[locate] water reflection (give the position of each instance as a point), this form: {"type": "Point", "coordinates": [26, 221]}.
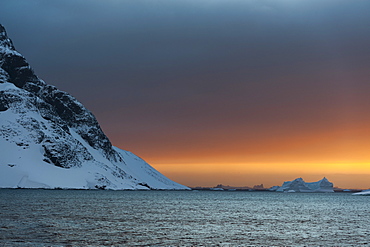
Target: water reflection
{"type": "Point", "coordinates": [181, 218]}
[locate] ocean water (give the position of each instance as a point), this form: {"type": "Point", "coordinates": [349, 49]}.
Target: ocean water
{"type": "Point", "coordinates": [182, 218]}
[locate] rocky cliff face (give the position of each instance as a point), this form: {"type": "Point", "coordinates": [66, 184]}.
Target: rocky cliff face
{"type": "Point", "coordinates": [38, 118]}
{"type": "Point", "coordinates": [57, 107]}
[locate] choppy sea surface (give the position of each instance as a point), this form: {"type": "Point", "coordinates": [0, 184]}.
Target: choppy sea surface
{"type": "Point", "coordinates": [182, 218]}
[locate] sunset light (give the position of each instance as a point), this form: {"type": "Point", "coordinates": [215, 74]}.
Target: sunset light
{"type": "Point", "coordinates": [184, 123]}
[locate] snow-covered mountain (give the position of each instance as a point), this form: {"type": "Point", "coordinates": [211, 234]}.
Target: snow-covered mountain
{"type": "Point", "coordinates": [299, 185]}
{"type": "Point", "coordinates": [50, 140]}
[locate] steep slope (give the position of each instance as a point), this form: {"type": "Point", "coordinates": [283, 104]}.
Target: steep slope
{"type": "Point", "coordinates": [48, 139]}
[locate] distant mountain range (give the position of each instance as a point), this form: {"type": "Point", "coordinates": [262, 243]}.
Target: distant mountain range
{"type": "Point", "coordinates": [50, 140]}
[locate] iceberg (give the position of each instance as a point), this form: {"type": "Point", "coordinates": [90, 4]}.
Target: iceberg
{"type": "Point", "coordinates": [299, 185]}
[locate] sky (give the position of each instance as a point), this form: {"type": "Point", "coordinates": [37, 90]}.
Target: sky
{"type": "Point", "coordinates": [214, 92]}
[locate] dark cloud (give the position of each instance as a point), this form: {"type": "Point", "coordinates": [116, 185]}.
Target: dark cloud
{"type": "Point", "coordinates": [152, 68]}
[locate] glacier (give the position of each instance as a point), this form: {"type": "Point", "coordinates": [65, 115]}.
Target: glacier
{"type": "Point", "coordinates": [299, 185]}
{"type": "Point", "coordinates": [48, 139]}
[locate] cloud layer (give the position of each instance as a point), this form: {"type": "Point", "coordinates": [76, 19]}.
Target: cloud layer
{"type": "Point", "coordinates": [190, 79]}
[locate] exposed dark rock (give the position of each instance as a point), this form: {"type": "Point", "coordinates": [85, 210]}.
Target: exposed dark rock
{"type": "Point", "coordinates": [4, 40]}
{"type": "Point", "coordinates": [18, 70]}
{"type": "Point", "coordinates": [60, 109]}
{"type": "Point", "coordinates": [145, 185]}
{"type": "Point", "coordinates": [3, 102]}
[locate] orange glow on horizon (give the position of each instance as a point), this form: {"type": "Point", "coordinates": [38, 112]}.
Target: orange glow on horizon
{"type": "Point", "coordinates": [343, 175]}
{"type": "Point", "coordinates": [269, 156]}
